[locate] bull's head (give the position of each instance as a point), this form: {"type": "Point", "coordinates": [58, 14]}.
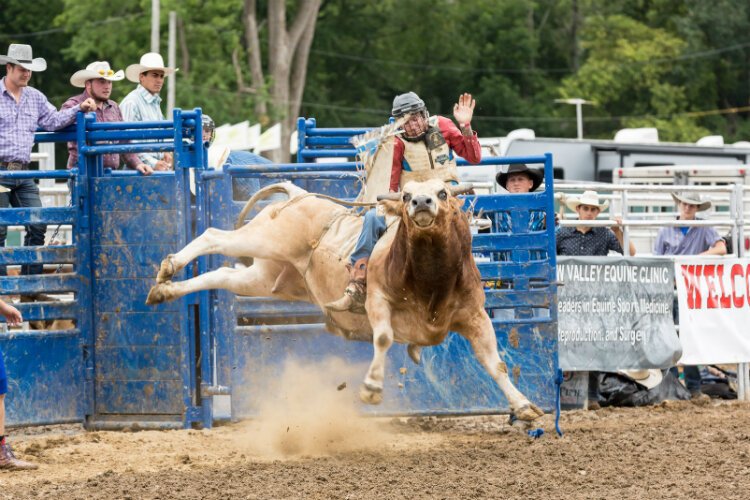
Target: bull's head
{"type": "Point", "coordinates": [422, 202]}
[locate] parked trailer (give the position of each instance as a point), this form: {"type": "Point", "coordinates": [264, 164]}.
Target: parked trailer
{"type": "Point", "coordinates": [130, 365]}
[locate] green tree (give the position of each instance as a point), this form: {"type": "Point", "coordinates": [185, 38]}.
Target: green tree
{"type": "Point", "coordinates": [628, 72]}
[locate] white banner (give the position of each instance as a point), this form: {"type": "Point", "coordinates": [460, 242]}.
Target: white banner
{"type": "Point", "coordinates": [714, 303]}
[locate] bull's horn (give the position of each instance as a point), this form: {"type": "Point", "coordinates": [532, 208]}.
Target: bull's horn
{"type": "Point", "coordinates": [462, 188]}
{"type": "Point", "coordinates": [389, 197]}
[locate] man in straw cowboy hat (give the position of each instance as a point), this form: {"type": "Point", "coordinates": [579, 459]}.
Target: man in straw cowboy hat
{"type": "Point", "coordinates": [695, 240]}
{"type": "Point", "coordinates": [144, 103]}
{"type": "Point", "coordinates": [96, 80]}
{"type": "Point", "coordinates": [586, 240]}
{"type": "Point", "coordinates": [22, 110]}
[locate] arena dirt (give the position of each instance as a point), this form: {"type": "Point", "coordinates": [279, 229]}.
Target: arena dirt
{"type": "Point", "coordinates": [310, 443]}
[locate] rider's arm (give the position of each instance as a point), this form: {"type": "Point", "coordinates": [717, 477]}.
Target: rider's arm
{"type": "Point", "coordinates": [465, 146]}
{"type": "Point", "coordinates": [396, 166]}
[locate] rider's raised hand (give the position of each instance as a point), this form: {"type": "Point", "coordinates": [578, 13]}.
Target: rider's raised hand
{"type": "Point", "coordinates": [463, 110]}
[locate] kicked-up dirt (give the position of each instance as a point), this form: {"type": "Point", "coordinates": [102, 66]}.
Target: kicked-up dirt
{"type": "Point", "coordinates": [296, 449]}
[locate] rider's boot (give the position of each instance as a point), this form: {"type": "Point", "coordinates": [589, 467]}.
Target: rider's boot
{"type": "Point", "coordinates": [355, 293]}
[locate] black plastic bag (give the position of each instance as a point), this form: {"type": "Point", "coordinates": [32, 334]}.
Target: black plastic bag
{"type": "Point", "coordinates": [619, 390]}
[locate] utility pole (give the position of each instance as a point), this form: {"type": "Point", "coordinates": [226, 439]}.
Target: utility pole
{"type": "Point", "coordinates": [155, 26]}
{"type": "Point", "coordinates": [171, 62]}
{"type": "Point", "coordinates": [578, 102]}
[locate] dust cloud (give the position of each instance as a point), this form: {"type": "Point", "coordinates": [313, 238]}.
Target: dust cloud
{"type": "Point", "coordinates": [309, 411]}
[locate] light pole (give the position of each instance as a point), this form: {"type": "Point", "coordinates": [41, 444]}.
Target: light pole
{"type": "Point", "coordinates": [579, 113]}
{"type": "Point", "coordinates": [154, 25]}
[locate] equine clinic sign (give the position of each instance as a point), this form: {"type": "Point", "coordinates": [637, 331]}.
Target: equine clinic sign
{"type": "Point", "coordinates": [615, 314]}
{"type": "Point", "coordinates": [714, 298]}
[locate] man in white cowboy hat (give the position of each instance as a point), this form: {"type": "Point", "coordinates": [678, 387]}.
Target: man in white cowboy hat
{"type": "Point", "coordinates": [587, 240]}
{"type": "Point", "coordinates": [96, 80]}
{"type": "Point", "coordinates": [144, 104]}
{"type": "Point", "coordinates": [22, 110]}
{"type": "Point", "coordinates": [695, 240]}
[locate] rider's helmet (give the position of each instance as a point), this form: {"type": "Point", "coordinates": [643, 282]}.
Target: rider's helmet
{"type": "Point", "coordinates": [408, 103]}
{"type": "Point", "coordinates": [209, 129]}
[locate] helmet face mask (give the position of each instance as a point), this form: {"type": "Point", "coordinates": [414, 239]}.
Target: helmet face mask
{"type": "Point", "coordinates": [209, 129]}
{"type": "Point", "coordinates": [415, 126]}
{"type": "Point", "coordinates": [413, 109]}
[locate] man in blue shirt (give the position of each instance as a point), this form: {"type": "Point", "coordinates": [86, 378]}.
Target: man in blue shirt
{"type": "Point", "coordinates": [696, 240]}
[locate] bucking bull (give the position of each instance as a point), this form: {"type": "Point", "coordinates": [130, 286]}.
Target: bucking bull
{"type": "Point", "coordinates": [422, 281]}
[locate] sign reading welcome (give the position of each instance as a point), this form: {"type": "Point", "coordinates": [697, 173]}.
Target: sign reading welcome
{"type": "Point", "coordinates": [714, 298]}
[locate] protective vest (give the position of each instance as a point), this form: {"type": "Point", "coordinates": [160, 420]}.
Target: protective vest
{"type": "Point", "coordinates": [430, 158]}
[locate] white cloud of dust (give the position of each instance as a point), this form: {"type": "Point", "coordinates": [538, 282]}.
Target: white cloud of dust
{"type": "Point", "coordinates": [307, 412]}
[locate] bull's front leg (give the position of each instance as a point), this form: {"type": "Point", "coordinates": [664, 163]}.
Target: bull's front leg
{"type": "Point", "coordinates": [379, 314]}
{"type": "Point", "coordinates": [479, 332]}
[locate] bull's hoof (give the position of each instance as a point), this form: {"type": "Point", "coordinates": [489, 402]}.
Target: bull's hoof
{"type": "Point", "coordinates": [529, 412]}
{"type": "Point", "coordinates": [415, 353]}
{"type": "Point", "coordinates": [166, 270]}
{"type": "Point", "coordinates": [156, 295]}
{"type": "Point", "coordinates": [370, 394]}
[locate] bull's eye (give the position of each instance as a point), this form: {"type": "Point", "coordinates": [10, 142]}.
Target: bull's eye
{"type": "Point", "coordinates": [443, 195]}
{"type": "Point", "coordinates": [407, 197]}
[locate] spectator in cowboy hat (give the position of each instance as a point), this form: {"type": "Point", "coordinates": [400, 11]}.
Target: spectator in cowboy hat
{"type": "Point", "coordinates": [686, 240]}
{"type": "Point", "coordinates": [96, 80]}
{"type": "Point", "coordinates": [518, 178]}
{"type": "Point", "coordinates": [587, 240]}
{"type": "Point", "coordinates": [144, 104]}
{"type": "Point", "coordinates": [22, 110]}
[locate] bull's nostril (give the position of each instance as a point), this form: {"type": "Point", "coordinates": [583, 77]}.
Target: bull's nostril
{"type": "Point", "coordinates": [428, 201]}
{"type": "Point", "coordinates": [414, 202]}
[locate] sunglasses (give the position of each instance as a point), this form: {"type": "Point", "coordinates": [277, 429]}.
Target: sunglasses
{"type": "Point", "coordinates": [106, 72]}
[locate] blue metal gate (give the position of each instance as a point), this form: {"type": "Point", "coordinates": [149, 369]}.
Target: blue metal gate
{"type": "Point", "coordinates": [127, 364]}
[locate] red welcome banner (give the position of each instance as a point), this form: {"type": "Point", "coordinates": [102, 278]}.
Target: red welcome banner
{"type": "Point", "coordinates": [714, 300]}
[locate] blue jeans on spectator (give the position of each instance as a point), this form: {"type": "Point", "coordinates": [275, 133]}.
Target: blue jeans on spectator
{"type": "Point", "coordinates": [23, 193]}
{"type": "Point", "coordinates": [372, 229]}
{"type": "Point", "coordinates": [692, 373]}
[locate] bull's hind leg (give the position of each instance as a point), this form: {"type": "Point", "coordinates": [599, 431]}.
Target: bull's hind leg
{"type": "Point", "coordinates": [253, 281]}
{"type": "Point", "coordinates": [249, 241]}
{"type": "Point", "coordinates": [479, 332]}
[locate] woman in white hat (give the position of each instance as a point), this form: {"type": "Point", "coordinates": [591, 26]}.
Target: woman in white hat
{"type": "Point", "coordinates": [144, 103]}
{"type": "Point", "coordinates": [587, 240]}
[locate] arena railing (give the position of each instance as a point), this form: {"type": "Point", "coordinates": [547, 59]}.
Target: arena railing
{"type": "Point", "coordinates": [732, 197]}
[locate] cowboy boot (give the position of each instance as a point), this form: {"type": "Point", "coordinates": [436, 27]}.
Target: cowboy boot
{"type": "Point", "coordinates": [356, 291]}
{"type": "Point", "coordinates": [8, 460]}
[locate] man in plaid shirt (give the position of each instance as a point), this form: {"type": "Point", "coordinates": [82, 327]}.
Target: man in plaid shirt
{"type": "Point", "coordinates": [22, 110]}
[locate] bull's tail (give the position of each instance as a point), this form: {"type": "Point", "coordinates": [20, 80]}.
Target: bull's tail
{"type": "Point", "coordinates": [286, 188]}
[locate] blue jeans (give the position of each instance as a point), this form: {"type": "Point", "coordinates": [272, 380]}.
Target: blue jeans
{"type": "Point", "coordinates": [23, 193]}
{"type": "Point", "coordinates": [372, 229]}
{"type": "Point", "coordinates": [692, 373]}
